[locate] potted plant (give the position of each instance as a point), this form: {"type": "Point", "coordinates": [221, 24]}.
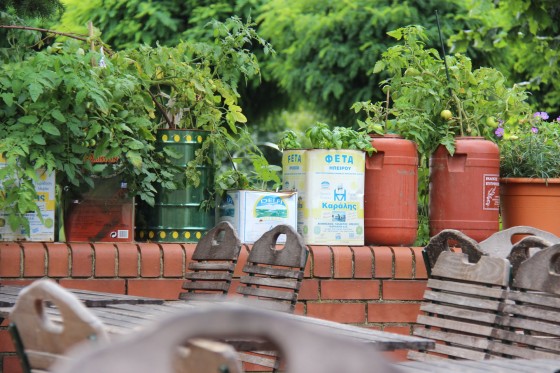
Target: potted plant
{"type": "Point", "coordinates": [65, 106]}
{"type": "Point", "coordinates": [59, 111]}
{"type": "Point", "coordinates": [530, 171]}
{"type": "Point", "coordinates": [391, 177]}
{"type": "Point", "coordinates": [453, 109]}
{"type": "Point", "coordinates": [193, 88]}
{"type": "Point", "coordinates": [329, 179]}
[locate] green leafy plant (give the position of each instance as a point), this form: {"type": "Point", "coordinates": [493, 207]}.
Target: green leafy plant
{"type": "Point", "coordinates": [530, 147]}
{"type": "Point", "coordinates": [194, 86]}
{"type": "Point", "coordinates": [323, 137]}
{"type": "Point", "coordinates": [443, 99]}
{"type": "Point", "coordinates": [59, 111]}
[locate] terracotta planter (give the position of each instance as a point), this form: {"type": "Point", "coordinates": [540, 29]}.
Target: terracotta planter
{"type": "Point", "coordinates": [464, 188]}
{"type": "Point", "coordinates": [532, 202]}
{"type": "Point", "coordinates": [391, 192]}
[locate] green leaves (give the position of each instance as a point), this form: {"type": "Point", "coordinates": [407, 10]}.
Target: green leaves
{"type": "Point", "coordinates": [50, 128]}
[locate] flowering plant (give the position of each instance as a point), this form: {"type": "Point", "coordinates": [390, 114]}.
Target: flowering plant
{"type": "Point", "coordinates": [530, 147]}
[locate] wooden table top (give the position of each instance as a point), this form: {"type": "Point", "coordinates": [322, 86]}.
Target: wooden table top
{"type": "Point", "coordinates": [9, 293]}
{"type": "Point", "coordinates": [124, 314]}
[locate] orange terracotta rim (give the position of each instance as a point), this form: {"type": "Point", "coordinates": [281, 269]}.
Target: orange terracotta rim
{"type": "Point", "coordinates": [386, 136]}
{"type": "Point", "coordinates": [528, 180]}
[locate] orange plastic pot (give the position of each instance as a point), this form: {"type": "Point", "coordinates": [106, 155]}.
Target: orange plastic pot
{"type": "Point", "coordinates": [464, 188]}
{"type": "Point", "coordinates": [391, 192]}
{"type": "Point", "coordinates": [532, 202]}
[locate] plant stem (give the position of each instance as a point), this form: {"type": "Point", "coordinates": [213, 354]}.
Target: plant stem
{"type": "Point", "coordinates": [18, 27]}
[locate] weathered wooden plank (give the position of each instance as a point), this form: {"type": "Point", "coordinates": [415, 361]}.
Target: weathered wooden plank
{"type": "Point", "coordinates": [479, 342]}
{"type": "Point", "coordinates": [467, 289]}
{"type": "Point", "coordinates": [220, 287]}
{"type": "Point", "coordinates": [530, 274]}
{"type": "Point", "coordinates": [219, 276]}
{"type": "Point", "coordinates": [488, 270]}
{"type": "Point", "coordinates": [465, 327]}
{"type": "Point", "coordinates": [462, 300]}
{"type": "Point", "coordinates": [527, 341]}
{"type": "Point", "coordinates": [269, 271]}
{"type": "Point", "coordinates": [268, 293]}
{"type": "Point", "coordinates": [291, 284]}
{"type": "Point", "coordinates": [541, 299]}
{"type": "Point", "coordinates": [538, 313]}
{"type": "Point", "coordinates": [211, 266]}
{"type": "Point", "coordinates": [476, 316]}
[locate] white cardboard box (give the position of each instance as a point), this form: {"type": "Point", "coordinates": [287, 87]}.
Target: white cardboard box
{"type": "Point", "coordinates": [252, 213]}
{"type": "Point", "coordinates": [330, 186]}
{"type": "Point", "coordinates": [39, 231]}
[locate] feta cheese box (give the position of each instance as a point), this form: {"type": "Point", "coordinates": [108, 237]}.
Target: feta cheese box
{"type": "Point", "coordinates": [41, 231]}
{"type": "Point", "coordinates": [252, 213]}
{"type": "Point", "coordinates": [330, 186]}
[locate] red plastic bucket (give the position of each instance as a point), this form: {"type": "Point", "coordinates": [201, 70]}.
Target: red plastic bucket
{"type": "Point", "coordinates": [465, 188]}
{"type": "Point", "coordinates": [391, 192]}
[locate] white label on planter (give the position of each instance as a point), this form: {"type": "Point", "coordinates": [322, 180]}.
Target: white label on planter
{"type": "Point", "coordinates": [491, 196]}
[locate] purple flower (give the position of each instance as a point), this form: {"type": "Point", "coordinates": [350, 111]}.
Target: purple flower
{"type": "Point", "coordinates": [558, 119]}
{"type": "Point", "coordinates": [499, 132]}
{"type": "Point", "coordinates": [535, 130]}
{"type": "Point", "coordinates": [541, 114]}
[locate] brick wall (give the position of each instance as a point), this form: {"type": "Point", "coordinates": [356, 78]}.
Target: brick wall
{"type": "Point", "coordinates": [374, 287]}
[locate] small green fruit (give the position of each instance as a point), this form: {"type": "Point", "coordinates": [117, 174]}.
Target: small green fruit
{"type": "Point", "coordinates": [411, 71]}
{"type": "Point", "coordinates": [446, 114]}
{"type": "Point", "coordinates": [491, 122]}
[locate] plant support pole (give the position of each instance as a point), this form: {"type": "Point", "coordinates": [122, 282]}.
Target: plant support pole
{"type": "Point", "coordinates": [443, 49]}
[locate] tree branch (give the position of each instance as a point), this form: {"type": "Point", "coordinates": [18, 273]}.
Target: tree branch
{"type": "Point", "coordinates": [17, 27]}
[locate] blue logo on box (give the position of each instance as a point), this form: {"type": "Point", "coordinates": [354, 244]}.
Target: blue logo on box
{"type": "Point", "coordinates": [271, 207]}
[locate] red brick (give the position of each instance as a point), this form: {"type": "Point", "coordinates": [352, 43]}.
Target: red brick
{"type": "Point", "coordinates": [10, 259]}
{"type": "Point", "coordinates": [395, 356]}
{"type": "Point", "coordinates": [300, 309]}
{"type": "Point", "coordinates": [11, 364]}
{"type": "Point", "coordinates": [128, 265]}
{"type": "Point", "coordinates": [363, 262]}
{"type": "Point", "coordinates": [17, 282]}
{"type": "Point", "coordinates": [403, 262]}
{"type": "Point", "coordinates": [350, 289]}
{"type": "Point", "coordinates": [339, 312]}
{"type": "Point", "coordinates": [58, 260]}
{"type": "Point", "coordinates": [322, 257]}
{"type": "Point", "coordinates": [307, 271]}
{"type": "Point", "coordinates": [403, 290]}
{"type": "Point", "coordinates": [242, 260]}
{"type": "Point", "coordinates": [393, 312]}
{"type": "Point", "coordinates": [343, 260]}
{"type": "Point", "coordinates": [309, 290]}
{"type": "Point", "coordinates": [105, 260]}
{"type": "Point", "coordinates": [34, 259]}
{"type": "Point", "coordinates": [116, 286]}
{"type": "Point", "coordinates": [82, 259]}
{"type": "Point", "coordinates": [383, 262]}
{"type": "Point", "coordinates": [6, 344]}
{"type": "Point", "coordinates": [188, 248]}
{"type": "Point", "coordinates": [150, 260]}
{"type": "Point", "coordinates": [404, 330]}
{"type": "Point", "coordinates": [156, 288]}
{"type": "Point", "coordinates": [173, 260]}
{"type": "Point", "coordinates": [419, 265]}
